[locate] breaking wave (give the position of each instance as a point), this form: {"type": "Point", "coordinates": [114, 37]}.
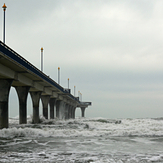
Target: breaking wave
{"type": "Point", "coordinates": [87, 127]}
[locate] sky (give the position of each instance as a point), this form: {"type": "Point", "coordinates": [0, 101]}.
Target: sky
{"type": "Point", "coordinates": [112, 51]}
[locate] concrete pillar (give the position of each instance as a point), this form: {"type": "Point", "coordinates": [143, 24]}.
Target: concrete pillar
{"type": "Point", "coordinates": [73, 112]}
{"type": "Point", "coordinates": [22, 92]}
{"type": "Point", "coordinates": [66, 111]}
{"type": "Point", "coordinates": [52, 103]}
{"type": "Point", "coordinates": [5, 85]}
{"type": "Point", "coordinates": [69, 112]}
{"type": "Point", "coordinates": [61, 110]}
{"type": "Point", "coordinates": [83, 111]}
{"type": "Point", "coordinates": [57, 108]}
{"type": "Point", "coordinates": [45, 101]}
{"type": "Point", "coordinates": [35, 100]}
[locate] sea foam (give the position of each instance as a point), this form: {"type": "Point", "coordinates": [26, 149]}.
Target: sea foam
{"type": "Point", "coordinates": [87, 127]}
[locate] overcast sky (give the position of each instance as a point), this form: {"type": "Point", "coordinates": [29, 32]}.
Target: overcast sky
{"type": "Point", "coordinates": [112, 51]}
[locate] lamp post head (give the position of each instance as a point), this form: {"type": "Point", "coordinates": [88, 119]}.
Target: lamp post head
{"type": "Point", "coordinates": [42, 49]}
{"type": "Point", "coordinates": [58, 68]}
{"type": "Point", "coordinates": [4, 7]}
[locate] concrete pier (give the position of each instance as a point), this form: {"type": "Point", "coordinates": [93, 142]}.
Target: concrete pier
{"type": "Point", "coordinates": [83, 111]}
{"type": "Point", "coordinates": [5, 85]}
{"type": "Point", "coordinates": [62, 110]}
{"type": "Point", "coordinates": [52, 103]}
{"type": "Point", "coordinates": [45, 101]}
{"type": "Point", "coordinates": [25, 77]}
{"type": "Point", "coordinates": [35, 100]}
{"type": "Point", "coordinates": [22, 92]}
{"type": "Point", "coordinates": [57, 108]}
{"type": "Point", "coordinates": [69, 112]}
{"type": "Point", "coordinates": [66, 110]}
{"type": "Point", "coordinates": [73, 112]}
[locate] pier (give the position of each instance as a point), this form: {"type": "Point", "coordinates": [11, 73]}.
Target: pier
{"type": "Point", "coordinates": [17, 72]}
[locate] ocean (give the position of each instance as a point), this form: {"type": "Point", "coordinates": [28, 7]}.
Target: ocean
{"type": "Point", "coordinates": [83, 140]}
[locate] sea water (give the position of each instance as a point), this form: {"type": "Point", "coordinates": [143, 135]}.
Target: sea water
{"type": "Point", "coordinates": [83, 140]}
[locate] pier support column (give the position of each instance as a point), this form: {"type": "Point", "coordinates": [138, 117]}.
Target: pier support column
{"type": "Point", "coordinates": [61, 110]}
{"type": "Point", "coordinates": [66, 111]}
{"type": "Point", "coordinates": [83, 111]}
{"type": "Point", "coordinates": [22, 92]}
{"type": "Point", "coordinates": [45, 101]}
{"type": "Point", "coordinates": [57, 108]}
{"type": "Point", "coordinates": [69, 112]}
{"type": "Point", "coordinates": [52, 103]}
{"type": "Point", "coordinates": [5, 85]}
{"type": "Point", "coordinates": [35, 100]}
{"type": "Point", "coordinates": [73, 112]}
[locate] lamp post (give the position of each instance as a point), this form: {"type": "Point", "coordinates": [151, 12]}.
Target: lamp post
{"type": "Point", "coordinates": [68, 83]}
{"type": "Point", "coordinates": [74, 90]}
{"type": "Point", "coordinates": [79, 94]}
{"type": "Point", "coordinates": [58, 75]}
{"type": "Point", "coordinates": [42, 59]}
{"type": "Point", "coordinates": [4, 9]}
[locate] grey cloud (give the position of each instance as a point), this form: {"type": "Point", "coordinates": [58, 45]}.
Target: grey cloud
{"type": "Point", "coordinates": [111, 50]}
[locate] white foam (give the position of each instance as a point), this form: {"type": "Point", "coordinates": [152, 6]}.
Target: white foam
{"type": "Point", "coordinates": [85, 127]}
